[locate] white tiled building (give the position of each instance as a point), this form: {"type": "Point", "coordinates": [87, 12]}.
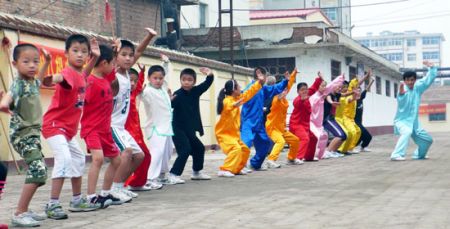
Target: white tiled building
{"type": "Point", "coordinates": [408, 49]}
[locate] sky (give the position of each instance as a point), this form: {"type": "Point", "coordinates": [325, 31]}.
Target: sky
{"type": "Point", "coordinates": [400, 16]}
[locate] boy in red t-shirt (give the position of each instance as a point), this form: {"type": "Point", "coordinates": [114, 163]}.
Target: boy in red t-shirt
{"type": "Point", "coordinates": [60, 124]}
{"type": "Point", "coordinates": [95, 128]}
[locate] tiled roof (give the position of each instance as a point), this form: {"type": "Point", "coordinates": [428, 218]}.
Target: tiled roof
{"type": "Point", "coordinates": [269, 14]}
{"type": "Point", "coordinates": [45, 29]}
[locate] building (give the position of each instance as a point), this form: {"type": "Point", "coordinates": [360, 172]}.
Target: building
{"type": "Point", "coordinates": [408, 49]}
{"type": "Point", "coordinates": [270, 17]}
{"type": "Point", "coordinates": [206, 14]}
{"type": "Point", "coordinates": [311, 47]}
{"type": "Point", "coordinates": [433, 110]}
{"type": "Point", "coordinates": [50, 36]}
{"type": "Point", "coordinates": [337, 11]}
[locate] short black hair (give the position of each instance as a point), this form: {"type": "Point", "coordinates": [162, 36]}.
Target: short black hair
{"type": "Point", "coordinates": [409, 74]}
{"type": "Point", "coordinates": [133, 71]}
{"type": "Point", "coordinates": [262, 69]}
{"type": "Point", "coordinates": [300, 85]}
{"type": "Point", "coordinates": [346, 83]}
{"type": "Point", "coordinates": [189, 71]}
{"type": "Point", "coordinates": [77, 38]}
{"type": "Point", "coordinates": [126, 43]}
{"type": "Point", "coordinates": [156, 68]}
{"type": "Point", "coordinates": [106, 53]}
{"type": "Point", "coordinates": [22, 47]}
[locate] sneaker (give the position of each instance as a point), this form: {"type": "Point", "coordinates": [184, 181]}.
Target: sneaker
{"type": "Point", "coordinates": [365, 149]}
{"type": "Point", "coordinates": [24, 220]}
{"type": "Point", "coordinates": [166, 181]}
{"type": "Point", "coordinates": [296, 161]}
{"type": "Point", "coordinates": [114, 200]}
{"type": "Point", "coordinates": [175, 179]}
{"type": "Point", "coordinates": [124, 198]}
{"type": "Point", "coordinates": [397, 159]}
{"type": "Point", "coordinates": [272, 164]}
{"type": "Point", "coordinates": [327, 155]}
{"type": "Point", "coordinates": [139, 188]}
{"type": "Point", "coordinates": [104, 202]}
{"type": "Point", "coordinates": [242, 172]}
{"type": "Point", "coordinates": [200, 176]}
{"type": "Point", "coordinates": [37, 216]}
{"type": "Point", "coordinates": [246, 170]}
{"type": "Point", "coordinates": [55, 211]}
{"type": "Point", "coordinates": [357, 150]}
{"type": "Point", "coordinates": [83, 206]}
{"type": "Point", "coordinates": [336, 155]}
{"type": "Point", "coordinates": [223, 173]}
{"type": "Point", "coordinates": [153, 185]}
{"type": "Point", "coordinates": [129, 193]}
{"type": "Point", "coordinates": [262, 168]}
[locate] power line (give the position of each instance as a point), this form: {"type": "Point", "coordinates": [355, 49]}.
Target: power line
{"type": "Point", "coordinates": [396, 11]}
{"type": "Point", "coordinates": [404, 16]}
{"type": "Point", "coordinates": [207, 38]}
{"type": "Point", "coordinates": [405, 20]}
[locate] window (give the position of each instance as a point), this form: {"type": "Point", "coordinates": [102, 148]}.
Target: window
{"type": "Point", "coordinates": [378, 84]}
{"type": "Point", "coordinates": [430, 40]}
{"type": "Point", "coordinates": [388, 88]}
{"type": "Point", "coordinates": [412, 57]}
{"type": "Point", "coordinates": [393, 56]}
{"type": "Point", "coordinates": [430, 55]}
{"type": "Point", "coordinates": [351, 72]}
{"type": "Point", "coordinates": [335, 69]}
{"type": "Point", "coordinates": [394, 42]}
{"type": "Point", "coordinates": [395, 90]}
{"type": "Point", "coordinates": [411, 42]}
{"type": "Point", "coordinates": [437, 117]}
{"type": "Point", "coordinates": [331, 13]}
{"type": "Point", "coordinates": [276, 66]}
{"type": "Point", "coordinates": [202, 14]}
{"type": "Point", "coordinates": [365, 43]}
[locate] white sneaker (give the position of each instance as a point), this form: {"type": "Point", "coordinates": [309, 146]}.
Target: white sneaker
{"type": "Point", "coordinates": [242, 172]}
{"type": "Point", "coordinates": [263, 167]}
{"type": "Point", "coordinates": [117, 193]}
{"type": "Point", "coordinates": [24, 220]}
{"type": "Point", "coordinates": [296, 161]}
{"type": "Point", "coordinates": [154, 185]}
{"type": "Point", "coordinates": [200, 176]}
{"type": "Point", "coordinates": [246, 170]}
{"type": "Point", "coordinates": [272, 164]}
{"type": "Point", "coordinates": [365, 149]}
{"type": "Point", "coordinates": [141, 188]}
{"type": "Point", "coordinates": [336, 155]}
{"type": "Point", "coordinates": [315, 159]}
{"type": "Point", "coordinates": [326, 155]}
{"type": "Point", "coordinates": [37, 216]}
{"type": "Point", "coordinates": [223, 173]}
{"type": "Point", "coordinates": [175, 179]}
{"type": "Point", "coordinates": [397, 159]}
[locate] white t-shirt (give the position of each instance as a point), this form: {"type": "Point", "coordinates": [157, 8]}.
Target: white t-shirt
{"type": "Point", "coordinates": [121, 101]}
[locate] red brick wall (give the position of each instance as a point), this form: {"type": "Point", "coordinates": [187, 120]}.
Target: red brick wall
{"type": "Point", "coordinates": [88, 14]}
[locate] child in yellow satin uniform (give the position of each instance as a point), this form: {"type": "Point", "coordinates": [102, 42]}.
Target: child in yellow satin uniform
{"type": "Point", "coordinates": [276, 128]}
{"type": "Point", "coordinates": [227, 128]}
{"type": "Point", "coordinates": [345, 116]}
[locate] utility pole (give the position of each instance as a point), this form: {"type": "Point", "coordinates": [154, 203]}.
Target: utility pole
{"type": "Point", "coordinates": [226, 11]}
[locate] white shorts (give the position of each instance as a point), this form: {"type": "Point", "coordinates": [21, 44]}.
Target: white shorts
{"type": "Point", "coordinates": [68, 157]}
{"type": "Point", "coordinates": [124, 140]}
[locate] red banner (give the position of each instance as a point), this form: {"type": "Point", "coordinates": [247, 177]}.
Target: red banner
{"type": "Point", "coordinates": [432, 108]}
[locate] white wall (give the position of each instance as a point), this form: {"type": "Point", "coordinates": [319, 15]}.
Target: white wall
{"type": "Point", "coordinates": [191, 14]}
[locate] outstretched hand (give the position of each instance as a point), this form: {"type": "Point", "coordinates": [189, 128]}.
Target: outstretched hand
{"type": "Point", "coordinates": [428, 63]}
{"type": "Point", "coordinates": [151, 31]}
{"type": "Point", "coordinates": [47, 55]}
{"type": "Point", "coordinates": [141, 66]}
{"type": "Point", "coordinates": [116, 45]}
{"type": "Point", "coordinates": [206, 71]}
{"type": "Point", "coordinates": [319, 74]}
{"type": "Point", "coordinates": [95, 49]}
{"type": "Point", "coordinates": [164, 58]}
{"type": "Point", "coordinates": [402, 88]}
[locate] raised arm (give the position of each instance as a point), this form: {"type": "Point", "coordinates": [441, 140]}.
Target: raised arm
{"type": "Point", "coordinates": [291, 79]}
{"type": "Point", "coordinates": [201, 88]}
{"type": "Point", "coordinates": [365, 77]}
{"type": "Point", "coordinates": [43, 70]}
{"type": "Point", "coordinates": [144, 43]}
{"type": "Point", "coordinates": [141, 79]}
{"type": "Point", "coordinates": [370, 84]}
{"type": "Point", "coordinates": [424, 83]}
{"type": "Point", "coordinates": [335, 83]}
{"type": "Point", "coordinates": [248, 94]}
{"type": "Point", "coordinates": [315, 86]}
{"type": "Point", "coordinates": [167, 68]}
{"type": "Point", "coordinates": [95, 53]}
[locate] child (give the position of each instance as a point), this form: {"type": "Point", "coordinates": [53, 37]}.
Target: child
{"type": "Point", "coordinates": [316, 124]}
{"type": "Point", "coordinates": [406, 123]}
{"type": "Point", "coordinates": [26, 112]}
{"type": "Point", "coordinates": [131, 154]}
{"type": "Point", "coordinates": [276, 127]}
{"type": "Point", "coordinates": [96, 131]}
{"type": "Point", "coordinates": [330, 124]}
{"type": "Point", "coordinates": [187, 121]}
{"type": "Point", "coordinates": [366, 137]}
{"type": "Point", "coordinates": [299, 123]}
{"type": "Point", "coordinates": [138, 180]}
{"type": "Point", "coordinates": [347, 103]}
{"type": "Point", "coordinates": [158, 125]}
{"type": "Point", "coordinates": [60, 124]}
{"type": "Point", "coordinates": [227, 128]}
{"type": "Point", "coordinates": [252, 121]}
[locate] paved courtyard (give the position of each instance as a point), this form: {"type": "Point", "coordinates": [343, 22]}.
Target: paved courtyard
{"type": "Point", "coordinates": [359, 191]}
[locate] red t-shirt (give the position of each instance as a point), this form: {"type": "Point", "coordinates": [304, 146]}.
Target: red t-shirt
{"type": "Point", "coordinates": [133, 125]}
{"type": "Point", "coordinates": [64, 113]}
{"type": "Point", "coordinates": [98, 106]}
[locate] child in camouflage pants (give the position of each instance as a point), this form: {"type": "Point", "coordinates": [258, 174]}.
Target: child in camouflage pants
{"type": "Point", "coordinates": [24, 105]}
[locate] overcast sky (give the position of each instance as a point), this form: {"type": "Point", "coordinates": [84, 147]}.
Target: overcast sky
{"type": "Point", "coordinates": [377, 18]}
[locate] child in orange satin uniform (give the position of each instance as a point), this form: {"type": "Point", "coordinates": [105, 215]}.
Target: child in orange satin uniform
{"type": "Point", "coordinates": [227, 128]}
{"type": "Point", "coordinates": [276, 128]}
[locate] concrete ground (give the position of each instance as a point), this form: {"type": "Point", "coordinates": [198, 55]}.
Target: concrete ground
{"type": "Point", "coordinates": [359, 191]}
